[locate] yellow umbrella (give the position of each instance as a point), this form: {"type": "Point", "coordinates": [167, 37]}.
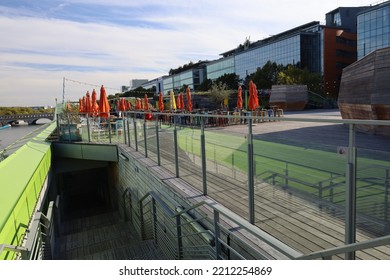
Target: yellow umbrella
{"type": "Point", "coordinates": [173, 101]}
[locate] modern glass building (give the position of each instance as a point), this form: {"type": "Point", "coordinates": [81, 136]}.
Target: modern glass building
{"type": "Point", "coordinates": [192, 78]}
{"type": "Point", "coordinates": [299, 46]}
{"type": "Point", "coordinates": [220, 67]}
{"type": "Point", "coordinates": [373, 29]}
{"type": "Point", "coordinates": [348, 34]}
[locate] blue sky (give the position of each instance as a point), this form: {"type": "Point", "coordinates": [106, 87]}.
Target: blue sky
{"type": "Point", "coordinates": [111, 42]}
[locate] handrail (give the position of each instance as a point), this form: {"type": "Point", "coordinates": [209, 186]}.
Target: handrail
{"type": "Point", "coordinates": [262, 235]}
{"type": "Point", "coordinates": [257, 232]}
{"type": "Point", "coordinates": [325, 254]}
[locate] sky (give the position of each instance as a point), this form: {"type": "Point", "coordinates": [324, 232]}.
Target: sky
{"type": "Point", "coordinates": [110, 42]}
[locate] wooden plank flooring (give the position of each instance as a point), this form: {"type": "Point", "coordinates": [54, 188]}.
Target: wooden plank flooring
{"type": "Point", "coordinates": [298, 222]}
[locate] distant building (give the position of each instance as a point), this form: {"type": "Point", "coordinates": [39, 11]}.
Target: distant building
{"type": "Point", "coordinates": [349, 34]}
{"type": "Point", "coordinates": [135, 83]}
{"type": "Point", "coordinates": [373, 29]}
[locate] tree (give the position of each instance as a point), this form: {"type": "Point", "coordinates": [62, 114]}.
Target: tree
{"type": "Point", "coordinates": [231, 81]}
{"type": "Point", "coordinates": [296, 76]}
{"type": "Point", "coordinates": [218, 93]}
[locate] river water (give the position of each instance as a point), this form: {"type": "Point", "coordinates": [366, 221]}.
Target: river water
{"type": "Point", "coordinates": [14, 133]}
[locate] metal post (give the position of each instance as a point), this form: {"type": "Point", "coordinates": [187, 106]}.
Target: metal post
{"type": "Point", "coordinates": [128, 132]}
{"type": "Point", "coordinates": [350, 201]}
{"type": "Point", "coordinates": [58, 126]}
{"type": "Point", "coordinates": [217, 232]}
{"type": "Point", "coordinates": [158, 142]}
{"type": "Point", "coordinates": [88, 130]}
{"type": "Point", "coordinates": [109, 128]}
{"type": "Point", "coordinates": [179, 238]}
{"type": "Point", "coordinates": [251, 187]}
{"type": "Point", "coordinates": [386, 206]}
{"type": "Point", "coordinates": [145, 138]}
{"type": "Point", "coordinates": [68, 126]}
{"type": "Point", "coordinates": [124, 128]}
{"type": "Point", "coordinates": [175, 147]}
{"type": "Point", "coordinates": [135, 133]}
{"type": "Point", "coordinates": [203, 154]}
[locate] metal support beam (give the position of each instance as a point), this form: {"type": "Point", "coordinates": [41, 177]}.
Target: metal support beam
{"type": "Point", "coordinates": [350, 200]}
{"type": "Point", "coordinates": [158, 141]}
{"type": "Point", "coordinates": [251, 187]}
{"type": "Point", "coordinates": [128, 131]}
{"type": "Point", "coordinates": [203, 154]}
{"type": "Point", "coordinates": [135, 133]}
{"type": "Point", "coordinates": [145, 137]}
{"type": "Point", "coordinates": [175, 144]}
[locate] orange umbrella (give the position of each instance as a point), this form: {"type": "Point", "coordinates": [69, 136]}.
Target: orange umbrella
{"type": "Point", "coordinates": [189, 101]}
{"type": "Point", "coordinates": [182, 101]}
{"type": "Point", "coordinates": [160, 102]}
{"type": "Point", "coordinates": [146, 102]}
{"type": "Point", "coordinates": [178, 102]}
{"type": "Point", "coordinates": [104, 106]}
{"type": "Point", "coordinates": [253, 97]}
{"type": "Point", "coordinates": [81, 106]}
{"type": "Point", "coordinates": [95, 106]}
{"type": "Point", "coordinates": [124, 104]}
{"type": "Point", "coordinates": [88, 104]}
{"type": "Point", "coordinates": [239, 98]}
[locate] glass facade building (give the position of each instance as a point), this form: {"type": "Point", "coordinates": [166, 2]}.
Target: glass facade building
{"type": "Point", "coordinates": [218, 68]}
{"type": "Point", "coordinates": [373, 29]}
{"type": "Point", "coordinates": [299, 46]}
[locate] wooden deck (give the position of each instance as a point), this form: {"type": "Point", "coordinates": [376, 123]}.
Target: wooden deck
{"type": "Point", "coordinates": [304, 225]}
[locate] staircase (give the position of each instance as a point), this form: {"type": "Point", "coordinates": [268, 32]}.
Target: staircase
{"type": "Point", "coordinates": [104, 237]}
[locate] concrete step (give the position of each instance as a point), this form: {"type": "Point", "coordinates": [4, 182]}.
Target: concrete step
{"type": "Point", "coordinates": [103, 236]}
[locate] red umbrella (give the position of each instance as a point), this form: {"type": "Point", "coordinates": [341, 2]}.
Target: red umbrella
{"type": "Point", "coordinates": [253, 98]}
{"type": "Point", "coordinates": [239, 98]}
{"type": "Point", "coordinates": [138, 105]}
{"type": "Point", "coordinates": [146, 105]}
{"type": "Point", "coordinates": [95, 106]}
{"type": "Point", "coordinates": [88, 104]}
{"type": "Point", "coordinates": [81, 106]}
{"type": "Point", "coordinates": [104, 106]}
{"type": "Point", "coordinates": [160, 102]}
{"type": "Point", "coordinates": [189, 101]}
{"type": "Point", "coordinates": [178, 102]}
{"type": "Point", "coordinates": [182, 101]}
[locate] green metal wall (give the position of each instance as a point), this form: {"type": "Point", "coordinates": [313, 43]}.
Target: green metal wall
{"type": "Point", "coordinates": [22, 176]}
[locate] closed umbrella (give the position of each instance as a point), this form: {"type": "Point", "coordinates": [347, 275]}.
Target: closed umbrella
{"type": "Point", "coordinates": [81, 106]}
{"type": "Point", "coordinates": [146, 103]}
{"type": "Point", "coordinates": [253, 96]}
{"type": "Point", "coordinates": [182, 101]}
{"type": "Point", "coordinates": [160, 102]}
{"type": "Point", "coordinates": [173, 101]}
{"type": "Point", "coordinates": [95, 106]}
{"type": "Point", "coordinates": [239, 98]}
{"type": "Point", "coordinates": [189, 101]}
{"type": "Point", "coordinates": [178, 102]}
{"type": "Point", "coordinates": [88, 104]}
{"type": "Point", "coordinates": [104, 105]}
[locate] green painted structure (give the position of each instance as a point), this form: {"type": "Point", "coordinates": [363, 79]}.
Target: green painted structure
{"type": "Point", "coordinates": [22, 176]}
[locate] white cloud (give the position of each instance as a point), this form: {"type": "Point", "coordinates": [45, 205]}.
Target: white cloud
{"type": "Point", "coordinates": [39, 49]}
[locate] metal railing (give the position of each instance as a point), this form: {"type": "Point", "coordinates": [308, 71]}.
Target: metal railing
{"type": "Point", "coordinates": [189, 233]}
{"type": "Point", "coordinates": [40, 238]}
{"type": "Point", "coordinates": [350, 183]}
